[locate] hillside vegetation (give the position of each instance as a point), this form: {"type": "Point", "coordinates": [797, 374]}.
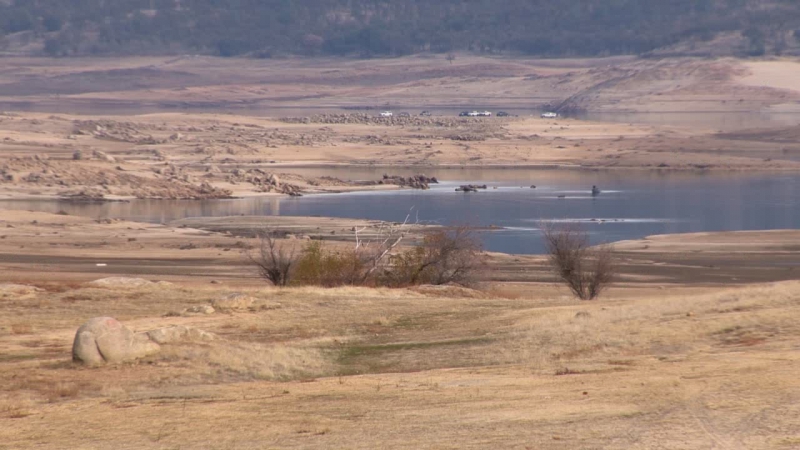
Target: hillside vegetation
{"type": "Point", "coordinates": [366, 28]}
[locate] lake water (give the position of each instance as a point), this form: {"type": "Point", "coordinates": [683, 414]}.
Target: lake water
{"type": "Point", "coordinates": [631, 205]}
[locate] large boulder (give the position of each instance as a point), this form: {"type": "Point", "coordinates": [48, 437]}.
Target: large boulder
{"type": "Point", "coordinates": [104, 340]}
{"type": "Point", "coordinates": [126, 282]}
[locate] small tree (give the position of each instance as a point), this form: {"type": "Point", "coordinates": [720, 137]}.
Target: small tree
{"type": "Point", "coordinates": [445, 256]}
{"type": "Point", "coordinates": [320, 266]}
{"type": "Point", "coordinates": [451, 57]}
{"type": "Point", "coordinates": [586, 270]}
{"type": "Point", "coordinates": [273, 262]}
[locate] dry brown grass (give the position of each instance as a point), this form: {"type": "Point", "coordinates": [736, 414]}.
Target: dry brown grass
{"type": "Point", "coordinates": [426, 371]}
{"type": "Point", "coordinates": [21, 328]}
{"type": "Point", "coordinates": [15, 407]}
{"type": "Point", "coordinates": [61, 391]}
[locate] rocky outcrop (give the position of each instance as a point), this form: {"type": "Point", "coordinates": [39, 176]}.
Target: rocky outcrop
{"type": "Point", "coordinates": [414, 182]}
{"type": "Point", "coordinates": [201, 309]}
{"type": "Point", "coordinates": [234, 302]}
{"type": "Point", "coordinates": [126, 282]}
{"type": "Point", "coordinates": [115, 131]}
{"type": "Point", "coordinates": [178, 333]}
{"type": "Point", "coordinates": [397, 120]}
{"type": "Point", "coordinates": [79, 181]}
{"type": "Point", "coordinates": [264, 182]}
{"type": "Point", "coordinates": [104, 340]}
{"type": "Point", "coordinates": [470, 187]}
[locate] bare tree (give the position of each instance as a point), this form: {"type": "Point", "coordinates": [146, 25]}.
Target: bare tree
{"type": "Point", "coordinates": [445, 256]}
{"type": "Point", "coordinates": [586, 270]}
{"type": "Point", "coordinates": [451, 57]}
{"type": "Point", "coordinates": [376, 251]}
{"type": "Point", "coordinates": [273, 262]}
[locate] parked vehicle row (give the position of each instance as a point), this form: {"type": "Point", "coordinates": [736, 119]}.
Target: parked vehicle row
{"type": "Point", "coordinates": [475, 114]}
{"type": "Point", "coordinates": [403, 114]}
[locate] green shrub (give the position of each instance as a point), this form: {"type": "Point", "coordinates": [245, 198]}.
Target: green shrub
{"type": "Point", "coordinates": [444, 256]}
{"type": "Point", "coordinates": [319, 266]}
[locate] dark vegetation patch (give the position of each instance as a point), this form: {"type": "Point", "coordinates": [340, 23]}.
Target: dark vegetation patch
{"type": "Point", "coordinates": [366, 28]}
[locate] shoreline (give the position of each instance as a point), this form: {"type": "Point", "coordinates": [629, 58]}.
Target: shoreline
{"type": "Point", "coordinates": [191, 250]}
{"type": "Point", "coordinates": [530, 166]}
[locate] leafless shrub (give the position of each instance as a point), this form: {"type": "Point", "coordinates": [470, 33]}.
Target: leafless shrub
{"type": "Point", "coordinates": [444, 257]}
{"type": "Point", "coordinates": [273, 262]}
{"type": "Point", "coordinates": [376, 252]}
{"type": "Point", "coordinates": [586, 270]}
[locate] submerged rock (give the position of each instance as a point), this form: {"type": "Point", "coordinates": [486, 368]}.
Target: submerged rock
{"type": "Point", "coordinates": [470, 188]}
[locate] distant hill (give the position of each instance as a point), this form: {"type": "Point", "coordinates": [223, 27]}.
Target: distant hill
{"type": "Point", "coordinates": [364, 28]}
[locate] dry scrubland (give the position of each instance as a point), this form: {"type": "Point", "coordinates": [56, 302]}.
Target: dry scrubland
{"type": "Point", "coordinates": [695, 347]}
{"type": "Point", "coordinates": [364, 368]}
{"type": "Point", "coordinates": [669, 358]}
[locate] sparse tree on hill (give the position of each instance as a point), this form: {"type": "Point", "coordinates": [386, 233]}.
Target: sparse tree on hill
{"type": "Point", "coordinates": [274, 262]}
{"type": "Point", "coordinates": [586, 270]}
{"type": "Point", "coordinates": [444, 257]}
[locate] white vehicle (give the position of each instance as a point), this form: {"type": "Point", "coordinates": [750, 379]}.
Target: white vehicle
{"type": "Point", "coordinates": [549, 115]}
{"type": "Point", "coordinates": [485, 114]}
{"type": "Point", "coordinates": [386, 114]}
{"type": "Point", "coordinates": [474, 114]}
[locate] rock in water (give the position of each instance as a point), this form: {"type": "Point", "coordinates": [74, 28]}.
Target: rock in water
{"type": "Point", "coordinates": [104, 340]}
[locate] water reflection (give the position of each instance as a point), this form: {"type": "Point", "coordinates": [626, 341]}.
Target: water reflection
{"type": "Point", "coordinates": [632, 205]}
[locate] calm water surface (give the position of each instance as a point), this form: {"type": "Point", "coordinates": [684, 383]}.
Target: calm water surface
{"type": "Point", "coordinates": [631, 205]}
